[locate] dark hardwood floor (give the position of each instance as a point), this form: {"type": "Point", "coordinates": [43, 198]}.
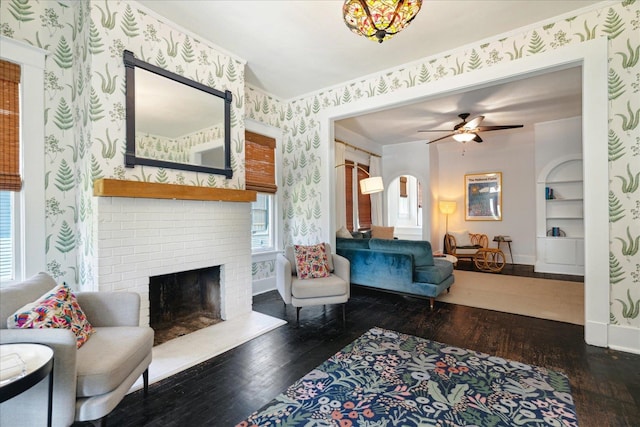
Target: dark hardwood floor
{"type": "Point", "coordinates": [224, 390]}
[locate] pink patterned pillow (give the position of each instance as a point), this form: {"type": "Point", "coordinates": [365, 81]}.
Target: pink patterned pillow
{"type": "Point", "coordinates": [311, 261]}
{"type": "Point", "coordinates": [57, 308]}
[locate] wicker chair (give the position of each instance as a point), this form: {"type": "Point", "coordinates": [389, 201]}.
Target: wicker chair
{"type": "Point", "coordinates": [478, 241]}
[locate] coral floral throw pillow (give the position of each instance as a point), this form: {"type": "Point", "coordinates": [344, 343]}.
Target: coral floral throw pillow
{"type": "Point", "coordinates": [311, 261]}
{"type": "Point", "coordinates": [57, 308]}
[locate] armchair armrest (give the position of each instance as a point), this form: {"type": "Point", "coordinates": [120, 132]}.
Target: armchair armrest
{"type": "Point", "coordinates": [111, 308]}
{"type": "Point", "coordinates": [479, 239]}
{"type": "Point", "coordinates": [283, 277]}
{"type": "Point", "coordinates": [342, 267]}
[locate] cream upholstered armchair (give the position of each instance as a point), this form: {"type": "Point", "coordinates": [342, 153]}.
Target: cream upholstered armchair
{"type": "Point", "coordinates": [334, 289]}
{"type": "Point", "coordinates": [464, 245]}
{"type": "Point", "coordinates": [90, 381]}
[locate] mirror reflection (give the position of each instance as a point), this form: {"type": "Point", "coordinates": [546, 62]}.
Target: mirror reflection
{"type": "Point", "coordinates": [178, 123]}
{"type": "Point", "coordinates": [175, 122]}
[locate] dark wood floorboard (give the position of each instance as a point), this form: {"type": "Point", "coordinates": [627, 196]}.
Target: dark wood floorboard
{"type": "Point", "coordinates": [224, 390]}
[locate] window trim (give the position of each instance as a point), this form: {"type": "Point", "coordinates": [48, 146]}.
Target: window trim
{"type": "Point", "coordinates": [31, 221]}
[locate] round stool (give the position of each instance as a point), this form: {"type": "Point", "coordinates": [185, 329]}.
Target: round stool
{"type": "Point", "coordinates": [489, 260]}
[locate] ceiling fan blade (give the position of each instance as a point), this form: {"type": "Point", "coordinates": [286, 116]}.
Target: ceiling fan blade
{"type": "Point", "coordinates": [443, 137]}
{"type": "Point", "coordinates": [490, 128]}
{"type": "Point", "coordinates": [436, 130]}
{"type": "Point", "coordinates": [474, 123]}
{"type": "Point", "coordinates": [477, 138]}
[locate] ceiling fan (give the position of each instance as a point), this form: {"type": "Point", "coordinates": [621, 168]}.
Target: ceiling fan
{"type": "Point", "coordinates": [468, 131]}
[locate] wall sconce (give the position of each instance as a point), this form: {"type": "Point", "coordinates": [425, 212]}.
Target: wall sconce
{"type": "Point", "coordinates": [447, 207]}
{"type": "Point", "coordinates": [370, 185]}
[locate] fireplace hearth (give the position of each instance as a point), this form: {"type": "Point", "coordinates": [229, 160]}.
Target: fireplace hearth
{"type": "Point", "coordinates": [183, 302]}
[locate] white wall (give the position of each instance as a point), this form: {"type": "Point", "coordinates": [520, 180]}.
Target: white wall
{"type": "Point", "coordinates": [511, 153]}
{"type": "Point", "coordinates": [411, 158]}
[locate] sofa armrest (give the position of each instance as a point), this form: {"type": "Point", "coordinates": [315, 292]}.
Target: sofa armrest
{"type": "Point", "coordinates": [63, 343]}
{"type": "Point", "coordinates": [111, 308]}
{"type": "Point", "coordinates": [283, 278]}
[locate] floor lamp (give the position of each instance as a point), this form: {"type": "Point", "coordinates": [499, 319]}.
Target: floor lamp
{"type": "Point", "coordinates": [370, 185]}
{"type": "Point", "coordinates": [447, 207]}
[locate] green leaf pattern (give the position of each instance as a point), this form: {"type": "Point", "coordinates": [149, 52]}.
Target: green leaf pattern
{"type": "Point", "coordinates": [86, 38]}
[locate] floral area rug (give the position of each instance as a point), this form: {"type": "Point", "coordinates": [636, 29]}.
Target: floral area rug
{"type": "Point", "coordinates": [385, 378]}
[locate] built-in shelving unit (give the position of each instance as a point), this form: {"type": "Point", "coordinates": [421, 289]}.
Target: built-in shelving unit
{"type": "Point", "coordinates": [562, 253]}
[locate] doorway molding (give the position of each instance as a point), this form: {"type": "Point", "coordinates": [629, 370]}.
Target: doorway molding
{"type": "Point", "coordinates": [592, 56]}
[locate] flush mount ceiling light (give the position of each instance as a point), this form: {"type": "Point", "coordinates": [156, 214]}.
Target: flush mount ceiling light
{"type": "Point", "coordinates": [379, 20]}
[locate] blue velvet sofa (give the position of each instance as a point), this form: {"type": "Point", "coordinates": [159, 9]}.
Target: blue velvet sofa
{"type": "Point", "coordinates": [401, 266]}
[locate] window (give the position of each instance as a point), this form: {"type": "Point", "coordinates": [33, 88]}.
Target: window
{"type": "Point", "coordinates": [7, 246]}
{"type": "Point", "coordinates": [262, 223]}
{"type": "Point", "coordinates": [22, 213]}
{"type": "Point", "coordinates": [261, 177]}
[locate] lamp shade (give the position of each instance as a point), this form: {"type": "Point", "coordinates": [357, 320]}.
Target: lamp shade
{"type": "Point", "coordinates": [371, 185]}
{"type": "Point", "coordinates": [379, 20]}
{"type": "Point", "coordinates": [447, 207]}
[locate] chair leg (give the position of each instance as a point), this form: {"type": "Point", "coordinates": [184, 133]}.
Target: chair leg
{"type": "Point", "coordinates": [298, 315]}
{"type": "Point", "coordinates": [344, 313]}
{"type": "Point", "coordinates": [145, 382]}
{"type": "Point", "coordinates": [431, 302]}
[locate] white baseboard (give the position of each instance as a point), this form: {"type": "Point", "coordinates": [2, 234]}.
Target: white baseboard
{"type": "Point", "coordinates": [264, 285]}
{"type": "Point", "coordinates": [624, 338]}
{"type": "Point", "coordinates": [596, 334]}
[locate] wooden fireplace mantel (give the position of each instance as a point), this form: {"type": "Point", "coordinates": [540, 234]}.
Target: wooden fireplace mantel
{"type": "Point", "coordinates": [118, 188]}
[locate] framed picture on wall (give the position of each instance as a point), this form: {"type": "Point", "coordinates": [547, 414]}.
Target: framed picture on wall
{"type": "Point", "coordinates": [483, 196]}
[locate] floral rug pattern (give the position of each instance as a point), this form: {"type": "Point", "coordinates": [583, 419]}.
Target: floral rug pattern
{"type": "Point", "coordinates": [385, 378]}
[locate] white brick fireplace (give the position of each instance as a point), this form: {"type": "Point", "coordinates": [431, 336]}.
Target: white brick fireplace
{"type": "Point", "coordinates": [143, 237]}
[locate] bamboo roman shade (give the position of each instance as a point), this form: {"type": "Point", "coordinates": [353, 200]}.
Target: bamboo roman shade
{"type": "Point", "coordinates": [10, 179]}
{"type": "Point", "coordinates": [260, 163]}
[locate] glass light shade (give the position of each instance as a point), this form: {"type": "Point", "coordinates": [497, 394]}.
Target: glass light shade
{"type": "Point", "coordinates": [371, 185]}
{"type": "Point", "coordinates": [464, 137]}
{"type": "Point", "coordinates": [379, 20]}
{"type": "Point", "coordinates": [447, 207]}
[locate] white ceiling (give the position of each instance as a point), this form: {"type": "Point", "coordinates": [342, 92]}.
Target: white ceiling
{"type": "Point", "coordinates": [295, 47]}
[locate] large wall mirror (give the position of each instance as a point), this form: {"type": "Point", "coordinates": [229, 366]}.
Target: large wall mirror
{"type": "Point", "coordinates": [174, 122]}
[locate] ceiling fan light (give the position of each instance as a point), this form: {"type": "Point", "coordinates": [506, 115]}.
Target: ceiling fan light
{"type": "Point", "coordinates": [379, 20]}
{"type": "Point", "coordinates": [464, 137]}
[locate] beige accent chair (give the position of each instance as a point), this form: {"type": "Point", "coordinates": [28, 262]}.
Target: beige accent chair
{"type": "Point", "coordinates": [334, 289]}
{"type": "Point", "coordinates": [455, 244]}
{"type": "Point", "coordinates": [89, 382]}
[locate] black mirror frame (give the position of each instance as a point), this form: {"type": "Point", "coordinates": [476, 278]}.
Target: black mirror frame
{"type": "Point", "coordinates": [130, 62]}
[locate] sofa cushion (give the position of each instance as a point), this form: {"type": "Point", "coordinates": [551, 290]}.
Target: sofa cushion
{"type": "Point", "coordinates": [109, 357]}
{"type": "Point", "coordinates": [420, 249]}
{"type": "Point", "coordinates": [433, 274]}
{"type": "Point", "coordinates": [344, 233]}
{"type": "Point", "coordinates": [462, 238]}
{"type": "Point", "coordinates": [317, 288]}
{"type": "Point", "coordinates": [379, 232]}
{"type": "Point", "coordinates": [57, 308]}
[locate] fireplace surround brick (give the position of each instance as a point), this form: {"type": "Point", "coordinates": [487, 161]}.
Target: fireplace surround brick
{"type": "Point", "coordinates": [139, 238]}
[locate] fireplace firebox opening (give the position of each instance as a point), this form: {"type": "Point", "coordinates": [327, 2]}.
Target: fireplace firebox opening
{"type": "Point", "coordinates": [183, 302]}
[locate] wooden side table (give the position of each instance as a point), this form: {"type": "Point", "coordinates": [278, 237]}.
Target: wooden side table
{"type": "Point", "coordinates": [507, 240]}
{"type": "Point", "coordinates": [23, 366]}
{"type": "Point", "coordinates": [489, 260]}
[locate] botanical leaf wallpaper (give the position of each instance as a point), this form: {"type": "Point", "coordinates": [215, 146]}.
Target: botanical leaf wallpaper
{"type": "Point", "coordinates": [303, 203]}
{"type": "Point", "coordinates": [85, 108]}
